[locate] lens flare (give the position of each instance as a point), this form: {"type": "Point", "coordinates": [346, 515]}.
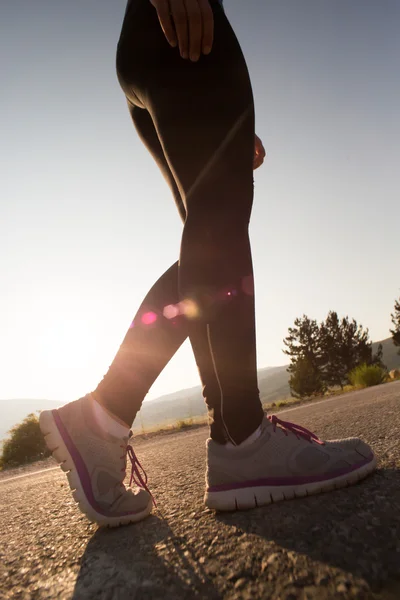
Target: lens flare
{"type": "Point", "coordinates": [189, 308]}
{"type": "Point", "coordinates": [171, 311]}
{"type": "Point", "coordinates": [149, 318]}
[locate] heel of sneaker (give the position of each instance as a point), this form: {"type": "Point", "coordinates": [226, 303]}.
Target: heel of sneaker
{"type": "Point", "coordinates": [54, 440]}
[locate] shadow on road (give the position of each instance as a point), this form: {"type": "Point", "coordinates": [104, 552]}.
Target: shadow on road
{"type": "Point", "coordinates": [356, 529]}
{"type": "Point", "coordinates": [142, 561]}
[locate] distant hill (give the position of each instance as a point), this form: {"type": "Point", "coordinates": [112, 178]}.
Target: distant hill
{"type": "Point", "coordinates": [184, 404]}
{"type": "Point", "coordinates": [273, 385]}
{"type": "Point", "coordinates": [166, 410]}
{"type": "Point", "coordinates": [390, 356]}
{"type": "Point", "coordinates": [14, 411]}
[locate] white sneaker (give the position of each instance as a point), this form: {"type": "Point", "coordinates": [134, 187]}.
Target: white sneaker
{"type": "Point", "coordinates": [285, 462]}
{"type": "Point", "coordinates": [95, 463]}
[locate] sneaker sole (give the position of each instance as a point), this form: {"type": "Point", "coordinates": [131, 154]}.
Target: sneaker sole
{"type": "Point", "coordinates": [252, 496]}
{"type": "Point", "coordinates": [56, 444]}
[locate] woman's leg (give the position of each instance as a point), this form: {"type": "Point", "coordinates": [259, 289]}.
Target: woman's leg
{"type": "Point", "coordinates": [204, 117]}
{"type": "Point", "coordinates": [148, 346]}
{"type": "Point", "coordinates": [153, 338]}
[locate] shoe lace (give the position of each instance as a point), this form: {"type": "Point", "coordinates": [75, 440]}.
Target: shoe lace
{"type": "Point", "coordinates": [298, 430]}
{"type": "Point", "coordinates": [138, 474]}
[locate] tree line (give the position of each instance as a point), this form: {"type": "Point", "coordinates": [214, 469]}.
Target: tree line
{"type": "Point", "coordinates": [326, 355]}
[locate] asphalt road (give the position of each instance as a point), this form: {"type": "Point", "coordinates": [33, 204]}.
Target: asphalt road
{"type": "Point", "coordinates": [343, 544]}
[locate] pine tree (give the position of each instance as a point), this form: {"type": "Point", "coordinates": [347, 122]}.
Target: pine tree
{"type": "Point", "coordinates": [344, 346]}
{"type": "Point", "coordinates": [305, 380]}
{"type": "Point", "coordinates": [303, 341]}
{"type": "Point", "coordinates": [304, 349]}
{"type": "Point", "coordinates": [377, 359]}
{"type": "Point", "coordinates": [356, 348]}
{"type": "Point", "coordinates": [396, 322]}
{"type": "Point", "coordinates": [323, 356]}
{"type": "Point", "coordinates": [331, 336]}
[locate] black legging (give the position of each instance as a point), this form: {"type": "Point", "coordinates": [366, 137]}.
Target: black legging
{"type": "Point", "coordinates": [197, 120]}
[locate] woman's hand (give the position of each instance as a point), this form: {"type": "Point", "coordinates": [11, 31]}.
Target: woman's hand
{"type": "Point", "coordinates": [188, 24]}
{"type": "Point", "coordinates": [259, 153]}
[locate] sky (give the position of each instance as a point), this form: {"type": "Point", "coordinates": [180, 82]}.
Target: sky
{"type": "Point", "coordinates": [87, 223]}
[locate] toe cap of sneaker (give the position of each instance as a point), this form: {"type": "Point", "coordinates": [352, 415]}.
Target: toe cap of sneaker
{"type": "Point", "coordinates": [351, 446]}
{"type": "Point", "coordinates": [132, 501]}
{"type": "Point", "coordinates": [363, 449]}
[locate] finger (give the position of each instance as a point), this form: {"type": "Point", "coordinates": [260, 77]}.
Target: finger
{"type": "Point", "coordinates": [257, 163]}
{"type": "Point", "coordinates": [259, 149]}
{"type": "Point", "coordinates": [208, 26]}
{"type": "Point", "coordinates": [179, 17]}
{"type": "Point", "coordinates": [257, 142]}
{"type": "Point", "coordinates": [195, 28]}
{"type": "Point", "coordinates": [165, 20]}
{"type": "Point", "coordinates": [258, 157]}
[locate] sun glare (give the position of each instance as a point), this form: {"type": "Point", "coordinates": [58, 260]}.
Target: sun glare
{"type": "Point", "coordinates": [66, 344]}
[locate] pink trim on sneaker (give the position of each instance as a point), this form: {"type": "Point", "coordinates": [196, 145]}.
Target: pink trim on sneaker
{"type": "Point", "coordinates": [289, 481]}
{"type": "Point", "coordinates": [136, 475]}
{"type": "Point", "coordinates": [83, 472]}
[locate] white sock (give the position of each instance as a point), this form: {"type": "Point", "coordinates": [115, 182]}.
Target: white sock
{"type": "Point", "coordinates": [107, 421]}
{"type": "Point", "coordinates": [252, 438]}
